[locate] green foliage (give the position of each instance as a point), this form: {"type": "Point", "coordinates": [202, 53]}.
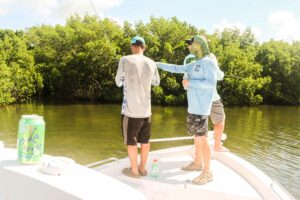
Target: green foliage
{"type": "Point", "coordinates": [157, 95]}
{"type": "Point", "coordinates": [19, 77]}
{"type": "Point", "coordinates": [174, 100]}
{"type": "Point", "coordinates": [6, 85]}
{"type": "Point", "coordinates": [236, 53]}
{"type": "Point", "coordinates": [165, 38]}
{"type": "Point", "coordinates": [79, 61]}
{"type": "Point", "coordinates": [280, 61]}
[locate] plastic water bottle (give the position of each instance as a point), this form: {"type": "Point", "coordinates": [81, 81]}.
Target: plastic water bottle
{"type": "Point", "coordinates": [154, 169]}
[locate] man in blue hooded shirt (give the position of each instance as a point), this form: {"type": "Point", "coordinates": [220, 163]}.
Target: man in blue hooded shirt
{"type": "Point", "coordinates": [202, 83]}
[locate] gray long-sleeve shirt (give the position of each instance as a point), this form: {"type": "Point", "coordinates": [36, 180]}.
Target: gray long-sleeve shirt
{"type": "Point", "coordinates": [136, 73]}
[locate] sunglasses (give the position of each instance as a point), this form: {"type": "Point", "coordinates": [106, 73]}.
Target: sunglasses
{"type": "Point", "coordinates": [190, 41]}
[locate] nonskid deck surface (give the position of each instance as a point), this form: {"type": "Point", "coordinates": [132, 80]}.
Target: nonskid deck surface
{"type": "Point", "coordinates": [173, 183]}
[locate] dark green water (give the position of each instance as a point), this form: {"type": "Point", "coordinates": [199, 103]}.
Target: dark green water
{"type": "Point", "coordinates": [266, 136]}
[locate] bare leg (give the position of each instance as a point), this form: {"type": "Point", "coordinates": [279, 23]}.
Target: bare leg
{"type": "Point", "coordinates": [218, 130]}
{"type": "Point", "coordinates": [132, 153]}
{"type": "Point", "coordinates": [205, 153]}
{"type": "Point", "coordinates": [198, 152]}
{"type": "Point", "coordinates": [144, 155]}
{"type": "Point", "coordinates": [206, 175]}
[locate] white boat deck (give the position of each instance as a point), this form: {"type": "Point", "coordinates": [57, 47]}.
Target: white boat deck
{"type": "Point", "coordinates": [27, 182]}
{"type": "Point", "coordinates": [232, 180]}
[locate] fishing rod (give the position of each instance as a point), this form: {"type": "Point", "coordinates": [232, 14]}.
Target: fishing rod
{"type": "Point", "coordinates": [91, 2]}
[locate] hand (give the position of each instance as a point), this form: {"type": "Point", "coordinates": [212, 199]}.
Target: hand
{"type": "Point", "coordinates": [185, 83]}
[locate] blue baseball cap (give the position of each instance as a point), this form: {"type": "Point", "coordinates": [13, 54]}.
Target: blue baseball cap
{"type": "Point", "coordinates": [137, 40]}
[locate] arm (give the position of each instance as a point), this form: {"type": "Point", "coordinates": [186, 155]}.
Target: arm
{"type": "Point", "coordinates": [119, 79]}
{"type": "Point", "coordinates": [220, 73]}
{"type": "Point", "coordinates": [155, 78]}
{"type": "Point", "coordinates": [173, 68]}
{"type": "Point", "coordinates": [185, 81]}
{"type": "Point", "coordinates": [185, 76]}
{"type": "Point", "coordinates": [210, 81]}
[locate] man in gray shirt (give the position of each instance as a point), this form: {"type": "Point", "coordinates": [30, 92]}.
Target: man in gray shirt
{"type": "Point", "coordinates": [136, 73]}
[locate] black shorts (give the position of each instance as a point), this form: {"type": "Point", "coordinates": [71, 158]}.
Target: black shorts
{"type": "Point", "coordinates": [197, 124]}
{"type": "Point", "coordinates": [136, 130]}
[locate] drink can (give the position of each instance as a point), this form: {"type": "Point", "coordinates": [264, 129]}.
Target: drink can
{"type": "Point", "coordinates": [31, 135]}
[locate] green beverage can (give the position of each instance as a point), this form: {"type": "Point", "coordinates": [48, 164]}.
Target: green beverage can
{"type": "Point", "coordinates": [31, 135]}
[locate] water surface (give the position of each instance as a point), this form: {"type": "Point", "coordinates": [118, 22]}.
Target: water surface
{"type": "Point", "coordinates": [266, 136]}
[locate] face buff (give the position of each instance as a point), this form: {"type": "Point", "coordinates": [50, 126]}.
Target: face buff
{"type": "Point", "coordinates": [200, 46]}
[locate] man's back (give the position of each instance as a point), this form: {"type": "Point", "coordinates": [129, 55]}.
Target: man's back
{"type": "Point", "coordinates": [137, 73]}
